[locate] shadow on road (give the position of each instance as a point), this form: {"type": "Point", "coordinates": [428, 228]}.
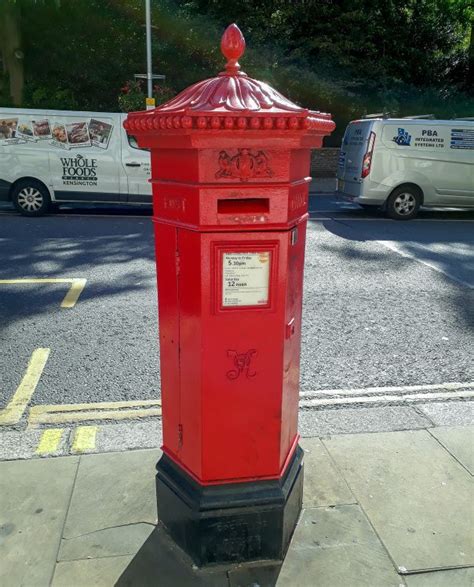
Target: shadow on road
{"type": "Point", "coordinates": [445, 248]}
{"type": "Point", "coordinates": [69, 248]}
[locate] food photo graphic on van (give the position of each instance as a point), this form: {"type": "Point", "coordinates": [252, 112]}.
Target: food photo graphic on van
{"type": "Point", "coordinates": [25, 130]}
{"type": "Point", "coordinates": [59, 156]}
{"type": "Point", "coordinates": [78, 134]}
{"type": "Point", "coordinates": [100, 133]}
{"type": "Point", "coordinates": [41, 129]}
{"type": "Point", "coordinates": [63, 135]}
{"type": "Point", "coordinates": [8, 128]}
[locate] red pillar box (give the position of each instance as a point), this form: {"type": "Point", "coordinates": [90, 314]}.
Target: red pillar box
{"type": "Point", "coordinates": [230, 160]}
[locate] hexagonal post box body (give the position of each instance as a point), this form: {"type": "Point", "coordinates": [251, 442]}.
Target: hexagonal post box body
{"type": "Point", "coordinates": [230, 160]}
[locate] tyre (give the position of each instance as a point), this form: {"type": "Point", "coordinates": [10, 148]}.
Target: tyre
{"type": "Point", "coordinates": [31, 198]}
{"type": "Point", "coordinates": [403, 203]}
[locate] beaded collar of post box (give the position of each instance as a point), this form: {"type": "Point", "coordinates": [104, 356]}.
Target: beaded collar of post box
{"type": "Point", "coordinates": [229, 102]}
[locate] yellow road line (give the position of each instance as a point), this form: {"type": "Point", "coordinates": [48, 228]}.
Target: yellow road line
{"type": "Point", "coordinates": [73, 294]}
{"type": "Point", "coordinates": [36, 418]}
{"type": "Point", "coordinates": [95, 406]}
{"type": "Point", "coordinates": [84, 439]}
{"type": "Point", "coordinates": [70, 299]}
{"type": "Point", "coordinates": [49, 442]}
{"type": "Point", "coordinates": [17, 405]}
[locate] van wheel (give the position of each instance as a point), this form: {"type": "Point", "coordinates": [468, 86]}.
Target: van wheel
{"type": "Point", "coordinates": [31, 198]}
{"type": "Point", "coordinates": [403, 203]}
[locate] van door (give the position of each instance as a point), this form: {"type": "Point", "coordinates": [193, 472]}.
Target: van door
{"type": "Point", "coordinates": [455, 180]}
{"type": "Point", "coordinates": [353, 149]}
{"type": "Point", "coordinates": [85, 158]}
{"type": "Point", "coordinates": [137, 168]}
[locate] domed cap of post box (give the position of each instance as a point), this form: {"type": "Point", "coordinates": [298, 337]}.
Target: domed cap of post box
{"type": "Point", "coordinates": [229, 102]}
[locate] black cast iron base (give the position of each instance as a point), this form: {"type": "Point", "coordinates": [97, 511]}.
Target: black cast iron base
{"type": "Point", "coordinates": [230, 523]}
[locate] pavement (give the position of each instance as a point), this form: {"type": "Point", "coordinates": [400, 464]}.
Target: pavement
{"type": "Point", "coordinates": [380, 509]}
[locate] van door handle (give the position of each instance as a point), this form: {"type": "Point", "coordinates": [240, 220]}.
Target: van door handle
{"type": "Point", "coordinates": [133, 164]}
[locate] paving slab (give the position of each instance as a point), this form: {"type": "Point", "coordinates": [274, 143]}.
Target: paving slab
{"type": "Point", "coordinates": [114, 490]}
{"type": "Point", "coordinates": [357, 420]}
{"type": "Point", "coordinates": [115, 541]}
{"type": "Point", "coordinates": [129, 436]}
{"type": "Point", "coordinates": [451, 578]}
{"type": "Point", "coordinates": [459, 441]}
{"type": "Point", "coordinates": [416, 495]}
{"type": "Point", "coordinates": [449, 413]}
{"type": "Point", "coordinates": [34, 496]}
{"type": "Point", "coordinates": [336, 547]}
{"type": "Point", "coordinates": [323, 484]}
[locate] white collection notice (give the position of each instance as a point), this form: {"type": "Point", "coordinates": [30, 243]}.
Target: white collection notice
{"type": "Point", "coordinates": [245, 278]}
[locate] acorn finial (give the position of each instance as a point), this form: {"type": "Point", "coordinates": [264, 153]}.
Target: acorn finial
{"type": "Point", "coordinates": [232, 47]}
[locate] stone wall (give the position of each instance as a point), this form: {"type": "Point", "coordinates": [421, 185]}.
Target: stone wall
{"type": "Point", "coordinates": [324, 162]}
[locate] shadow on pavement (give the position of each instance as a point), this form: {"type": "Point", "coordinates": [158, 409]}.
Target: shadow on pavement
{"type": "Point", "coordinates": [160, 563]}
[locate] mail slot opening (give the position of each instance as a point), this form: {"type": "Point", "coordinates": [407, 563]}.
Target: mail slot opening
{"type": "Point", "coordinates": [243, 206]}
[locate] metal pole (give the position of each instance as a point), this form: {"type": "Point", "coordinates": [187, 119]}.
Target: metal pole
{"type": "Point", "coordinates": [148, 49]}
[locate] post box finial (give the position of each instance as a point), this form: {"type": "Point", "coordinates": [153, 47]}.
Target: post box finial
{"type": "Point", "coordinates": [232, 47]}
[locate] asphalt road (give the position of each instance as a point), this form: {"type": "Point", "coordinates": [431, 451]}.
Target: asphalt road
{"type": "Point", "coordinates": [385, 303]}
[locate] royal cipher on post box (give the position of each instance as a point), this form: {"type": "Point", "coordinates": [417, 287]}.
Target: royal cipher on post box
{"type": "Point", "coordinates": [230, 160]}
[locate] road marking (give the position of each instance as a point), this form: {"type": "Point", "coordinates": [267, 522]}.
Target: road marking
{"type": "Point", "coordinates": [14, 410]}
{"type": "Point", "coordinates": [123, 410]}
{"type": "Point", "coordinates": [73, 294]}
{"type": "Point", "coordinates": [391, 389]}
{"type": "Point", "coordinates": [84, 439]}
{"type": "Point", "coordinates": [336, 217]}
{"type": "Point", "coordinates": [392, 246]}
{"type": "Point", "coordinates": [387, 395]}
{"type": "Point", "coordinates": [387, 399]}
{"type": "Point", "coordinates": [49, 442]}
{"type": "Point", "coordinates": [70, 299]}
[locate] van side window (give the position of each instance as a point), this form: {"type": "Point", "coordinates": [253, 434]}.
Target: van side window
{"type": "Point", "coordinates": [132, 141]}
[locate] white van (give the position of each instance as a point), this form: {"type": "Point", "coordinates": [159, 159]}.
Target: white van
{"type": "Point", "coordinates": [404, 163]}
{"type": "Point", "coordinates": [59, 156]}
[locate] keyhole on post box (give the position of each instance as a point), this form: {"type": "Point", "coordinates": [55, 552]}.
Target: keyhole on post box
{"type": "Point", "coordinates": [290, 328]}
{"type": "Point", "coordinates": [294, 236]}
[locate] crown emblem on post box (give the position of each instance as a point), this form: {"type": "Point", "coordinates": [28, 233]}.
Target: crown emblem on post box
{"type": "Point", "coordinates": [232, 101]}
{"type": "Point", "coordinates": [244, 165]}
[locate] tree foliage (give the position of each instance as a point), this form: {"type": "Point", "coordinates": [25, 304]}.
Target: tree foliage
{"type": "Point", "coordinates": [348, 57]}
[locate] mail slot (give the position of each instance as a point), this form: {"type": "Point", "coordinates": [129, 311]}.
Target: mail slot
{"type": "Point", "coordinates": [243, 206]}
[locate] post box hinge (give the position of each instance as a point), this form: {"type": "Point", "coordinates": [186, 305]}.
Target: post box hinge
{"type": "Point", "coordinates": [178, 262]}
{"type": "Point", "coordinates": [180, 435]}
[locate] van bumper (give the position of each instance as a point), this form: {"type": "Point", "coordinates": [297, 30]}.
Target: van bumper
{"type": "Point", "coordinates": [361, 199]}
{"type": "Point", "coordinates": [5, 190]}
{"type": "Point", "coordinates": [365, 192]}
